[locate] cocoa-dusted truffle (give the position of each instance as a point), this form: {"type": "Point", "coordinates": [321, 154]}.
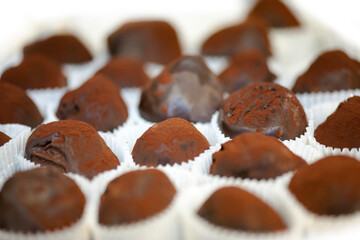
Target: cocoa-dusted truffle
{"type": "Point", "coordinates": [97, 102]}
{"type": "Point", "coordinates": [246, 68]}
{"type": "Point", "coordinates": [17, 107]}
{"type": "Point", "coordinates": [125, 72]}
{"type": "Point", "coordinates": [267, 108]}
{"type": "Point", "coordinates": [4, 138]}
{"type": "Point", "coordinates": [70, 146]}
{"type": "Point", "coordinates": [252, 34]}
{"type": "Point", "coordinates": [342, 128]}
{"type": "Point", "coordinates": [153, 41]}
{"type": "Point", "coordinates": [63, 48]}
{"type": "Point", "coordinates": [254, 156]}
{"type": "Point", "coordinates": [186, 89]}
{"type": "Point", "coordinates": [331, 71]}
{"type": "Point", "coordinates": [174, 140]}
{"type": "Point", "coordinates": [275, 13]}
{"type": "Point", "coordinates": [35, 71]}
{"type": "Point", "coordinates": [234, 208]}
{"type": "Point", "coordinates": [40, 200]}
{"type": "Point", "coordinates": [329, 186]}
{"type": "Point", "coordinates": [135, 196]}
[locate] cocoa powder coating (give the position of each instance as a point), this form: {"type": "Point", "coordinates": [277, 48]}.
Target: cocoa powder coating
{"type": "Point", "coordinates": [4, 138]}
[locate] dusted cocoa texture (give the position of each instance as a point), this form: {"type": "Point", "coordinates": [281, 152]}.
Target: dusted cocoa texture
{"type": "Point", "coordinates": [153, 41]}
{"type": "Point", "coordinates": [40, 200]}
{"type": "Point", "coordinates": [342, 128]}
{"type": "Point", "coordinates": [97, 102]}
{"type": "Point", "coordinates": [174, 140]}
{"type": "Point", "coordinates": [4, 138]}
{"type": "Point", "coordinates": [254, 156]}
{"type": "Point", "coordinates": [329, 186]}
{"type": "Point", "coordinates": [135, 196]}
{"type": "Point", "coordinates": [125, 72]}
{"type": "Point", "coordinates": [63, 48]}
{"type": "Point", "coordinates": [250, 35]}
{"type": "Point", "coordinates": [186, 89]}
{"type": "Point", "coordinates": [267, 108]}
{"type": "Point", "coordinates": [17, 107]}
{"type": "Point", "coordinates": [35, 71]}
{"type": "Point", "coordinates": [70, 146]}
{"type": "Point", "coordinates": [274, 13]}
{"type": "Point", "coordinates": [246, 68]}
{"type": "Point", "coordinates": [331, 71]}
{"type": "Point", "coordinates": [234, 208]}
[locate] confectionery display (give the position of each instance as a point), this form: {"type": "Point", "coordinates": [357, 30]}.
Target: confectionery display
{"type": "Point", "coordinates": [172, 141]}
{"type": "Point", "coordinates": [40, 200]}
{"type": "Point", "coordinates": [254, 156]}
{"type": "Point", "coordinates": [4, 138]}
{"type": "Point", "coordinates": [267, 108]}
{"type": "Point", "coordinates": [135, 196]}
{"type": "Point", "coordinates": [175, 92]}
{"type": "Point", "coordinates": [97, 102]}
{"type": "Point", "coordinates": [234, 208]}
{"type": "Point", "coordinates": [328, 186]}
{"type": "Point", "coordinates": [35, 71]}
{"type": "Point", "coordinates": [70, 146]}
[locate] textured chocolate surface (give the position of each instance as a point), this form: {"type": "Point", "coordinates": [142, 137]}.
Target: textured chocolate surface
{"type": "Point", "coordinates": [40, 200]}
{"type": "Point", "coordinates": [4, 138]}
{"type": "Point", "coordinates": [267, 108]}
{"type": "Point", "coordinates": [70, 146]}
{"type": "Point", "coordinates": [174, 140]}
{"type": "Point", "coordinates": [97, 102]}
{"type": "Point", "coordinates": [253, 155]}
{"type": "Point", "coordinates": [186, 89]}
{"type": "Point", "coordinates": [135, 196]}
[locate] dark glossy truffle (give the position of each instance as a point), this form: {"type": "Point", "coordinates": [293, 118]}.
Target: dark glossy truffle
{"type": "Point", "coordinates": [342, 128]}
{"type": "Point", "coordinates": [331, 71]}
{"type": "Point", "coordinates": [329, 186]}
{"type": "Point", "coordinates": [174, 140]}
{"type": "Point", "coordinates": [152, 41]}
{"type": "Point", "coordinates": [17, 107]}
{"type": "Point", "coordinates": [70, 146]}
{"type": "Point", "coordinates": [125, 72]}
{"type": "Point", "coordinates": [40, 200]}
{"type": "Point", "coordinates": [4, 138]}
{"type": "Point", "coordinates": [63, 48]}
{"type": "Point", "coordinates": [186, 89]}
{"type": "Point", "coordinates": [35, 71]}
{"type": "Point", "coordinates": [234, 208]}
{"type": "Point", "coordinates": [135, 196]}
{"type": "Point", "coordinates": [254, 156]}
{"type": "Point", "coordinates": [97, 102]}
{"type": "Point", "coordinates": [246, 68]}
{"type": "Point", "coordinates": [250, 35]}
{"type": "Point", "coordinates": [267, 108]}
{"type": "Point", "coordinates": [275, 13]}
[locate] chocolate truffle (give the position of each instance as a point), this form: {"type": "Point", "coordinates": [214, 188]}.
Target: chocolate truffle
{"type": "Point", "coordinates": [234, 208]}
{"type": "Point", "coordinates": [70, 146]}
{"type": "Point", "coordinates": [274, 13]}
{"type": "Point", "coordinates": [250, 35]}
{"type": "Point", "coordinates": [254, 156]}
{"type": "Point", "coordinates": [35, 71]}
{"type": "Point", "coordinates": [4, 138]}
{"type": "Point", "coordinates": [152, 41]}
{"type": "Point", "coordinates": [17, 107]}
{"type": "Point", "coordinates": [135, 196]}
{"type": "Point", "coordinates": [331, 71]}
{"type": "Point", "coordinates": [186, 89]}
{"type": "Point", "coordinates": [63, 48]}
{"type": "Point", "coordinates": [267, 108]}
{"type": "Point", "coordinates": [40, 200]}
{"type": "Point", "coordinates": [246, 68]}
{"type": "Point", "coordinates": [97, 102]}
{"type": "Point", "coordinates": [342, 128]}
{"type": "Point", "coordinates": [125, 72]}
{"type": "Point", "coordinates": [329, 186]}
{"type": "Point", "coordinates": [174, 140]}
